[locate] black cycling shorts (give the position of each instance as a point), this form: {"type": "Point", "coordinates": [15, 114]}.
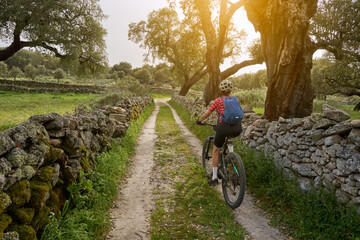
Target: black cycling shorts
{"type": "Point", "coordinates": [224, 130]}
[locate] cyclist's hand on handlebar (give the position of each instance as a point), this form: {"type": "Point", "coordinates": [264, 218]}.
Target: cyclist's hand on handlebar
{"type": "Point", "coordinates": [198, 122]}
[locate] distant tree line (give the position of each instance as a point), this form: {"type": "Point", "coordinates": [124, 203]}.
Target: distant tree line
{"type": "Point", "coordinates": [32, 64]}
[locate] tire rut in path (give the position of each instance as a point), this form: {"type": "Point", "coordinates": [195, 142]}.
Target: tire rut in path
{"type": "Point", "coordinates": [248, 215]}
{"type": "Point", "coordinates": [131, 214]}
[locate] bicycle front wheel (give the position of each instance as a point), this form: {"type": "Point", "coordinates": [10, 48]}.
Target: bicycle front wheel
{"type": "Point", "coordinates": [207, 155]}
{"type": "Point", "coordinates": [233, 185]}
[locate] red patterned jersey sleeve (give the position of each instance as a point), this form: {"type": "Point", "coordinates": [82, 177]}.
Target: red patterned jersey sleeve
{"type": "Point", "coordinates": [218, 104]}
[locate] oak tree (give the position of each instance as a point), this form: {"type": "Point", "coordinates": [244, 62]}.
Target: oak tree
{"type": "Point", "coordinates": [220, 40]}
{"type": "Point", "coordinates": [287, 50]}
{"type": "Point", "coordinates": [177, 42]}
{"type": "Point", "coordinates": [70, 29]}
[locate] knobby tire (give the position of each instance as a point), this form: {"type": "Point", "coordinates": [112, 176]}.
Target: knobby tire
{"type": "Point", "coordinates": [233, 185]}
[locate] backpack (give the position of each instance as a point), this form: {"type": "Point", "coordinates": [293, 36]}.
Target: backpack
{"type": "Point", "coordinates": [233, 113]}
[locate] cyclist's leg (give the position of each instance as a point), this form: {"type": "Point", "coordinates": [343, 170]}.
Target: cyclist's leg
{"type": "Point", "coordinates": [215, 161]}
{"type": "Point", "coordinates": [218, 142]}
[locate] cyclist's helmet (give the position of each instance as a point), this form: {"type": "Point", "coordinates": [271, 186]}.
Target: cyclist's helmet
{"type": "Point", "coordinates": [226, 86]}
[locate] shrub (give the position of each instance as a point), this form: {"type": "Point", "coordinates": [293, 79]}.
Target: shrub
{"type": "Point", "coordinates": [15, 72]}
{"type": "Point", "coordinates": [133, 85]}
{"type": "Point", "coordinates": [30, 72]}
{"type": "Point", "coordinates": [110, 99]}
{"type": "Point", "coordinates": [253, 98]}
{"type": "Point", "coordinates": [59, 74]}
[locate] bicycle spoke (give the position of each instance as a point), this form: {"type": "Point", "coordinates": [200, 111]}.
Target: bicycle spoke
{"type": "Point", "coordinates": [234, 184]}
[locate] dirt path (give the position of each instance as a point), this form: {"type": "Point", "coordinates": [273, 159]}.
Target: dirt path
{"type": "Point", "coordinates": [248, 215]}
{"type": "Point", "coordinates": [131, 215]}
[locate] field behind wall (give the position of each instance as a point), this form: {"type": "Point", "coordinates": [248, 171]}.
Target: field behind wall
{"type": "Point", "coordinates": [16, 107]}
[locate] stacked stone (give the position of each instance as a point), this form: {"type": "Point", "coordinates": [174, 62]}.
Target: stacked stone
{"type": "Point", "coordinates": [49, 87]}
{"type": "Point", "coordinates": [323, 149]}
{"type": "Point", "coordinates": [41, 157]}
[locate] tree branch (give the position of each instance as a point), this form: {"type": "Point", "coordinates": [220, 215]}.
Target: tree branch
{"type": "Point", "coordinates": [14, 47]}
{"type": "Point", "coordinates": [338, 53]}
{"type": "Point", "coordinates": [232, 70]}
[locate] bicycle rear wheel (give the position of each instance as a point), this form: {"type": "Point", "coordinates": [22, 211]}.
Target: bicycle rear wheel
{"type": "Point", "coordinates": [207, 155]}
{"type": "Point", "coordinates": [233, 185]}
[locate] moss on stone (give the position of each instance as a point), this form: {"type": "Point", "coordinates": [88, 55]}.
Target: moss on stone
{"type": "Point", "coordinates": [46, 174]}
{"type": "Point", "coordinates": [40, 185]}
{"type": "Point", "coordinates": [60, 182]}
{"type": "Point", "coordinates": [39, 191]}
{"type": "Point", "coordinates": [85, 164]}
{"type": "Point", "coordinates": [83, 149]}
{"type": "Point", "coordinates": [24, 215]}
{"type": "Point", "coordinates": [25, 232]}
{"type": "Point", "coordinates": [5, 220]}
{"type": "Point", "coordinates": [53, 203]}
{"type": "Point", "coordinates": [41, 218]}
{"type": "Point", "coordinates": [20, 193]}
{"type": "Point", "coordinates": [69, 151]}
{"type": "Point", "coordinates": [52, 155]}
{"type": "Point", "coordinates": [5, 201]}
{"type": "Point", "coordinates": [2, 206]}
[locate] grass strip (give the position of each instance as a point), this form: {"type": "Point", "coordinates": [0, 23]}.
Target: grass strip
{"type": "Point", "coordinates": [160, 95]}
{"type": "Point", "coordinates": [17, 107]}
{"type": "Point", "coordinates": [186, 207]}
{"type": "Point", "coordinates": [92, 196]}
{"type": "Point", "coordinates": [311, 215]}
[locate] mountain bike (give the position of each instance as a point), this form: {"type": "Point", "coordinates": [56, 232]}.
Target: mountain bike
{"type": "Point", "coordinates": [231, 170]}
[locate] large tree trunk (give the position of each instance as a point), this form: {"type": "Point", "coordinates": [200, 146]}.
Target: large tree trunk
{"type": "Point", "coordinates": [287, 50]}
{"type": "Point", "coordinates": [14, 47]}
{"type": "Point", "coordinates": [190, 81]}
{"type": "Point", "coordinates": [213, 50]}
{"type": "Point", "coordinates": [212, 87]}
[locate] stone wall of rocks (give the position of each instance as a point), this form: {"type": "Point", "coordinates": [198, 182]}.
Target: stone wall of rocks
{"type": "Point", "coordinates": [322, 149]}
{"type": "Point", "coordinates": [48, 87]}
{"type": "Point", "coordinates": [41, 157]}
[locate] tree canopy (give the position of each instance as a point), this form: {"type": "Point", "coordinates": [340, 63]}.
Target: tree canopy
{"type": "Point", "coordinates": [70, 29]}
{"type": "Point", "coordinates": [222, 39]}
{"type": "Point", "coordinates": [177, 42]}
{"type": "Point", "coordinates": [336, 28]}
{"type": "Point", "coordinates": [331, 76]}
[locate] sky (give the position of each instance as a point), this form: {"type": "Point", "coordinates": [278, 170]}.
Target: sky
{"type": "Point", "coordinates": [120, 14]}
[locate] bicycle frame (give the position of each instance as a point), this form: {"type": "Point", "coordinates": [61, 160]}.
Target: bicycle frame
{"type": "Point", "coordinates": [231, 170]}
{"type": "Point", "coordinates": [228, 144]}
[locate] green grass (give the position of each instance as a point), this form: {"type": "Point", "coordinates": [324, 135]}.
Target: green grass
{"type": "Point", "coordinates": [317, 107]}
{"type": "Point", "coordinates": [159, 95]}
{"type": "Point", "coordinates": [96, 192]}
{"type": "Point", "coordinates": [16, 107]}
{"type": "Point", "coordinates": [314, 215]}
{"type": "Point", "coordinates": [193, 210]}
{"type": "Point", "coordinates": [259, 110]}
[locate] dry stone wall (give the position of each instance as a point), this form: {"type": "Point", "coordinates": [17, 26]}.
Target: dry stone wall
{"type": "Point", "coordinates": [48, 87]}
{"type": "Point", "coordinates": [41, 157]}
{"type": "Point", "coordinates": [322, 149]}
